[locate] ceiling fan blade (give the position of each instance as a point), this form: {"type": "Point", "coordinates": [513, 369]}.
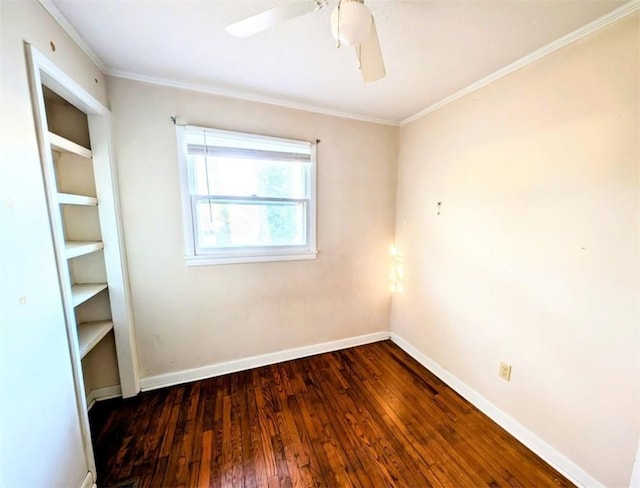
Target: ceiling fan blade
{"type": "Point", "coordinates": [369, 56]}
{"type": "Point", "coordinates": [272, 17]}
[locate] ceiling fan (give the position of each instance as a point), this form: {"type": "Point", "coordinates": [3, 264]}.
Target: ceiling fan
{"type": "Point", "coordinates": [351, 24]}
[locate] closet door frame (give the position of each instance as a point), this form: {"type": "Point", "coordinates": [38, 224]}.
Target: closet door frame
{"type": "Point", "coordinates": [43, 72]}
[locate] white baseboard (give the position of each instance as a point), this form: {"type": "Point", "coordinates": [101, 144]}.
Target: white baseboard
{"type": "Point", "coordinates": [87, 482]}
{"type": "Point", "coordinates": [212, 370]}
{"type": "Point", "coordinates": [557, 460]}
{"type": "Point", "coordinates": [105, 393]}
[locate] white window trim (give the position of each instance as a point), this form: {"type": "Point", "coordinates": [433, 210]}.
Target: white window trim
{"type": "Point", "coordinates": [241, 255]}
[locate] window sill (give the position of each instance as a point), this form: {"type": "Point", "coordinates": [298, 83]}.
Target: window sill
{"type": "Point", "coordinates": [266, 258]}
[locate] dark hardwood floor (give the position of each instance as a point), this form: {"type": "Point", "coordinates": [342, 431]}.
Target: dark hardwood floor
{"type": "Point", "coordinates": [369, 416]}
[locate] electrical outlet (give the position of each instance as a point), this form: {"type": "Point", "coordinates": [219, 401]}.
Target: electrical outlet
{"type": "Point", "coordinates": [505, 371]}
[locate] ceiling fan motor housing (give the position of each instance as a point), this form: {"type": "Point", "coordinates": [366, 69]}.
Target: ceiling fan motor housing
{"type": "Point", "coordinates": [351, 22]}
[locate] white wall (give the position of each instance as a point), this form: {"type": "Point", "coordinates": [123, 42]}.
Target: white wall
{"type": "Point", "coordinates": [40, 442]}
{"type": "Point", "coordinates": [188, 317]}
{"type": "Point", "coordinates": [535, 257]}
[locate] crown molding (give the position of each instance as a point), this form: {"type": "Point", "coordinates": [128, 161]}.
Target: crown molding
{"type": "Point", "coordinates": [212, 90]}
{"type": "Point", "coordinates": [597, 24]}
{"type": "Point", "coordinates": [59, 17]}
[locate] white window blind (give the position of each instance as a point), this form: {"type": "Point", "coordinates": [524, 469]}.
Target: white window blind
{"type": "Point", "coordinates": [246, 197]}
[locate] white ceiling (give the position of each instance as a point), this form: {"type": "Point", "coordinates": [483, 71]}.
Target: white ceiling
{"type": "Point", "coordinates": [431, 48]}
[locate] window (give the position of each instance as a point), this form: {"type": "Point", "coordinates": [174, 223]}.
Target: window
{"type": "Point", "coordinates": [246, 197]}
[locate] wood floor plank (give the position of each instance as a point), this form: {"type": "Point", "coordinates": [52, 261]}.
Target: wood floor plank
{"type": "Point", "coordinates": [204, 473]}
{"type": "Point", "coordinates": [405, 433]}
{"type": "Point", "coordinates": [496, 453]}
{"type": "Point", "coordinates": [348, 450]}
{"type": "Point", "coordinates": [369, 416]}
{"type": "Point", "coordinates": [364, 424]}
{"type": "Point", "coordinates": [439, 434]}
{"type": "Point", "coordinates": [397, 403]}
{"type": "Point", "coordinates": [216, 445]}
{"type": "Point", "coordinates": [158, 474]}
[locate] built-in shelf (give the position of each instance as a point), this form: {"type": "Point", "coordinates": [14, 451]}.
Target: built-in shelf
{"type": "Point", "coordinates": [65, 145]}
{"type": "Point", "coordinates": [90, 333]}
{"type": "Point", "coordinates": [73, 249]}
{"type": "Point", "coordinates": [82, 293]}
{"type": "Point", "coordinates": [71, 199]}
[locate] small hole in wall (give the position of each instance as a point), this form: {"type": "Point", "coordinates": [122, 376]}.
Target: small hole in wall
{"type": "Point", "coordinates": [53, 46]}
{"type": "Point", "coordinates": [96, 80]}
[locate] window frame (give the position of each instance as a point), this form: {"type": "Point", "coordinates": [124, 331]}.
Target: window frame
{"type": "Point", "coordinates": [195, 256]}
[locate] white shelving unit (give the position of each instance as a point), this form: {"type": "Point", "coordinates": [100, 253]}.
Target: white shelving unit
{"type": "Point", "coordinates": [59, 143]}
{"type": "Point", "coordinates": [74, 249]}
{"type": "Point", "coordinates": [73, 166]}
{"type": "Point", "coordinates": [71, 199]}
{"type": "Point", "coordinates": [91, 333]}
{"type": "Point", "coordinates": [84, 292]}
{"type": "Point", "coordinates": [74, 137]}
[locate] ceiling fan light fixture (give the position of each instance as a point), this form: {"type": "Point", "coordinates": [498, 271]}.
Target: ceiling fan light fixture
{"type": "Point", "coordinates": [351, 22]}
